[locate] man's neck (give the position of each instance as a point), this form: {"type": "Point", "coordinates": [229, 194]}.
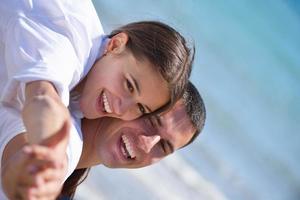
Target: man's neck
{"type": "Point", "coordinates": [90, 128]}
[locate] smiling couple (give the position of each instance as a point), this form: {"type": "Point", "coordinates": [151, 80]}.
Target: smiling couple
{"type": "Point", "coordinates": [55, 56]}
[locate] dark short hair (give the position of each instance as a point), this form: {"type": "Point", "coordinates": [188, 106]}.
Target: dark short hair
{"type": "Point", "coordinates": [195, 108]}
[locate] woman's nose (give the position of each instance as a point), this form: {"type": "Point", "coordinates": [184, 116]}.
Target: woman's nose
{"type": "Point", "coordinates": [146, 143]}
{"type": "Point", "coordinates": [121, 104]}
{"type": "Point", "coordinates": [124, 107]}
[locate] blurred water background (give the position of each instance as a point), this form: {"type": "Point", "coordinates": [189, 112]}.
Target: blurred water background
{"type": "Point", "coordinates": [247, 69]}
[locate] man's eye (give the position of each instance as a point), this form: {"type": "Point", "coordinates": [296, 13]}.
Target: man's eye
{"type": "Point", "coordinates": [163, 146]}
{"type": "Point", "coordinates": [141, 108]}
{"type": "Point", "coordinates": [158, 121]}
{"type": "Point", "coordinates": [152, 121]}
{"type": "Point", "coordinates": [149, 121]}
{"type": "Point", "coordinates": [129, 86]}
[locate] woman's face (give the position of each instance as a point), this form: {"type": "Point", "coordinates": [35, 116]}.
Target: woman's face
{"type": "Point", "coordinates": [121, 86]}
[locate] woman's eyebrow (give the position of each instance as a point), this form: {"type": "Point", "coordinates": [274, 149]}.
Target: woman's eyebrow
{"type": "Point", "coordinates": [149, 110]}
{"type": "Point", "coordinates": [135, 83]}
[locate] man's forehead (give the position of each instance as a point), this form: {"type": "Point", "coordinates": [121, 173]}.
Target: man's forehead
{"type": "Point", "coordinates": [175, 114]}
{"type": "Point", "coordinates": [177, 126]}
{"type": "Point", "coordinates": [176, 120]}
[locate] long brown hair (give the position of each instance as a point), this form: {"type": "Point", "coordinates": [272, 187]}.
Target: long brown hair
{"type": "Point", "coordinates": [72, 182]}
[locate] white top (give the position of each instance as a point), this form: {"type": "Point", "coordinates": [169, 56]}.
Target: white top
{"type": "Point", "coordinates": [57, 40]}
{"type": "Point", "coordinates": [11, 124]}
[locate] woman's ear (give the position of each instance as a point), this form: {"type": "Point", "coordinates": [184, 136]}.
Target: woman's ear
{"type": "Point", "coordinates": [117, 43]}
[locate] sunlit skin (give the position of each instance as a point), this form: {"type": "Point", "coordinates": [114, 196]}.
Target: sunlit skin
{"type": "Point", "coordinates": [149, 141]}
{"type": "Point", "coordinates": [131, 86]}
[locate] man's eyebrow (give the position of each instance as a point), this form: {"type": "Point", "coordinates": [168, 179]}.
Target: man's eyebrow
{"type": "Point", "coordinates": [170, 146]}
{"type": "Point", "coordinates": [155, 121]}
{"type": "Point", "coordinates": [158, 121]}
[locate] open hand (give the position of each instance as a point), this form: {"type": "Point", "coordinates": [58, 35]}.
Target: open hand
{"type": "Point", "coordinates": [35, 173]}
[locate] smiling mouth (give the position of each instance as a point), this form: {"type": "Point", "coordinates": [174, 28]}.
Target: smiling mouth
{"type": "Point", "coordinates": [127, 148]}
{"type": "Point", "coordinates": [105, 103]}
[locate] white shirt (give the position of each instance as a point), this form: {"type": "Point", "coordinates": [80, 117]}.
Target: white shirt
{"type": "Point", "coordinates": [12, 125]}
{"type": "Point", "coordinates": [57, 40]}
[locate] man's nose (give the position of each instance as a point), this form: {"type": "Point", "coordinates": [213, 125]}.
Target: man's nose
{"type": "Point", "coordinates": [146, 143]}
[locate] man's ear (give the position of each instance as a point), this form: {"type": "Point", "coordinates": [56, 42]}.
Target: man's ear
{"type": "Point", "coordinates": [117, 43]}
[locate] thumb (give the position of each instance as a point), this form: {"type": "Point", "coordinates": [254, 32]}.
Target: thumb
{"type": "Point", "coordinates": [60, 137]}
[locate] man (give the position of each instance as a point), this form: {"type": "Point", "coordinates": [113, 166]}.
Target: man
{"type": "Point", "coordinates": [141, 142]}
{"type": "Point", "coordinates": [113, 143]}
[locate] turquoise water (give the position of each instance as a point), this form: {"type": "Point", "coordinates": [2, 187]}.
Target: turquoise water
{"type": "Point", "coordinates": [247, 69]}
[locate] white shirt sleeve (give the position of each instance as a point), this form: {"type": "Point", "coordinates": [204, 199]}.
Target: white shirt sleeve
{"type": "Point", "coordinates": [56, 40]}
{"type": "Point", "coordinates": [34, 51]}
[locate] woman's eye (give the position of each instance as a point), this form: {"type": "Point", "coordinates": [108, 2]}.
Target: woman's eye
{"type": "Point", "coordinates": [129, 86]}
{"type": "Point", "coordinates": [141, 108]}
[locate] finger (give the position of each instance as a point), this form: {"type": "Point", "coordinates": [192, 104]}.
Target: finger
{"type": "Point", "coordinates": [23, 155]}
{"type": "Point", "coordinates": [41, 152]}
{"type": "Point", "coordinates": [37, 159]}
{"type": "Point", "coordinates": [37, 170]}
{"type": "Point", "coordinates": [23, 193]}
{"type": "Point", "coordinates": [60, 138]}
{"type": "Point", "coordinates": [46, 191]}
{"type": "Point", "coordinates": [56, 155]}
{"type": "Point", "coordinates": [40, 155]}
{"type": "Point", "coordinates": [18, 196]}
{"type": "Point", "coordinates": [43, 175]}
{"type": "Point", "coordinates": [35, 165]}
{"type": "Point", "coordinates": [52, 174]}
{"type": "Point", "coordinates": [31, 181]}
{"type": "Point", "coordinates": [43, 190]}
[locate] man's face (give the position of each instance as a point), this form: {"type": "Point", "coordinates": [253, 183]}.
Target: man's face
{"type": "Point", "coordinates": [142, 142]}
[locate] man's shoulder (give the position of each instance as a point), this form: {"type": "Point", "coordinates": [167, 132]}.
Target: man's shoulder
{"type": "Point", "coordinates": [11, 120]}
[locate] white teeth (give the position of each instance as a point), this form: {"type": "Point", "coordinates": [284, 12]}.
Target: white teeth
{"type": "Point", "coordinates": [123, 151]}
{"type": "Point", "coordinates": [106, 104]}
{"type": "Point", "coordinates": [128, 147]}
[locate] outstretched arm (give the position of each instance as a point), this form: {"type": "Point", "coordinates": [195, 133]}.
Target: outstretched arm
{"type": "Point", "coordinates": [43, 114]}
{"type": "Point", "coordinates": [33, 169]}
